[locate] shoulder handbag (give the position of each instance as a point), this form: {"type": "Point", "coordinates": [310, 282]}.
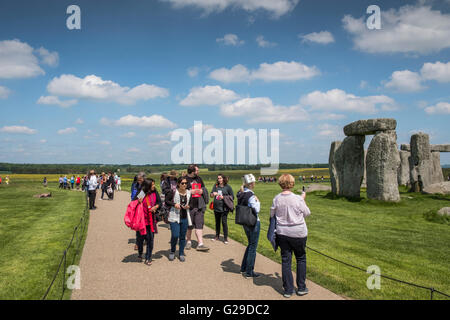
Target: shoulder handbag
{"type": "Point", "coordinates": [245, 216]}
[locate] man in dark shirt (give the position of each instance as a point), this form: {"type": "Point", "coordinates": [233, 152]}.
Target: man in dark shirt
{"type": "Point", "coordinates": [198, 207]}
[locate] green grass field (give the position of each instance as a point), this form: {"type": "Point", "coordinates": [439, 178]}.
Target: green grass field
{"type": "Point", "coordinates": [33, 235]}
{"type": "Point", "coordinates": [395, 237]}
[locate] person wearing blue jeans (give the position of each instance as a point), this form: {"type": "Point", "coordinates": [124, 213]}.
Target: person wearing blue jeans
{"type": "Point", "coordinates": [179, 202]}
{"type": "Point", "coordinates": [246, 197]}
{"type": "Point", "coordinates": [178, 231]}
{"type": "Point", "coordinates": [248, 262]}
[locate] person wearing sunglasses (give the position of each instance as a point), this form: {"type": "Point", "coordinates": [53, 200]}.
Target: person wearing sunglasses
{"type": "Point", "coordinates": [179, 202]}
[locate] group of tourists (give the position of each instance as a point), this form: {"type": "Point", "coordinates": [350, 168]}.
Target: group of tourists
{"type": "Point", "coordinates": [183, 202]}
{"type": "Point", "coordinates": [106, 182]}
{"type": "Point", "coordinates": [6, 180]}
{"type": "Point", "coordinates": [313, 178]}
{"type": "Point", "coordinates": [267, 179]}
{"type": "Point", "coordinates": [66, 183]}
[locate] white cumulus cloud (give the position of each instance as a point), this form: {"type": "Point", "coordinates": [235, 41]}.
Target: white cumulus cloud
{"type": "Point", "coordinates": [405, 81]}
{"type": "Point", "coordinates": [409, 81]}
{"type": "Point", "coordinates": [263, 43]}
{"type": "Point", "coordinates": [439, 108]}
{"type": "Point", "coordinates": [208, 95]}
{"type": "Point", "coordinates": [230, 40]}
{"type": "Point", "coordinates": [339, 100]}
{"type": "Point", "coordinates": [414, 29]}
{"type": "Point", "coordinates": [437, 71]}
{"type": "Point", "coordinates": [262, 109]}
{"type": "Point", "coordinates": [274, 8]}
{"type": "Point", "coordinates": [49, 58]}
{"type": "Point", "coordinates": [153, 121]}
{"type": "Point", "coordinates": [53, 100]}
{"type": "Point", "coordinates": [94, 87]}
{"type": "Point", "coordinates": [322, 37]}
{"type": "Point", "coordinates": [278, 71]}
{"type": "Point", "coordinates": [67, 130]}
{"type": "Point", "coordinates": [17, 60]}
{"type": "Point", "coordinates": [18, 129]}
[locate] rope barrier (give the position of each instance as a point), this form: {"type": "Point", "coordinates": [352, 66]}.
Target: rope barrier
{"type": "Point", "coordinates": [432, 290]}
{"type": "Point", "coordinates": [80, 227]}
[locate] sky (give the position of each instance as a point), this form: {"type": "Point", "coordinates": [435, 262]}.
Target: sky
{"type": "Point", "coordinates": [114, 90]}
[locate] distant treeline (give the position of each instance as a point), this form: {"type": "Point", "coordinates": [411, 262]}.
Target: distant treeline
{"type": "Point", "coordinates": [128, 168]}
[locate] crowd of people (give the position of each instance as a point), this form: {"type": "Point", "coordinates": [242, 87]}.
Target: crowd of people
{"type": "Point", "coordinates": [183, 202]}
{"type": "Point", "coordinates": [107, 183]}
{"type": "Point", "coordinates": [6, 180]}
{"type": "Point", "coordinates": [313, 178]}
{"type": "Point", "coordinates": [267, 179]}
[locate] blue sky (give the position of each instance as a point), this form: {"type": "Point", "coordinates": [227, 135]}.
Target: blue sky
{"type": "Point", "coordinates": [113, 91]}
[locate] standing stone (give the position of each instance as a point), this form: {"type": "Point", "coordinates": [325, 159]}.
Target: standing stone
{"type": "Point", "coordinates": [422, 167]}
{"type": "Point", "coordinates": [403, 169]}
{"type": "Point", "coordinates": [382, 162]}
{"type": "Point", "coordinates": [349, 162]}
{"type": "Point", "coordinates": [364, 181]}
{"type": "Point", "coordinates": [332, 167]}
{"type": "Point", "coordinates": [438, 175]}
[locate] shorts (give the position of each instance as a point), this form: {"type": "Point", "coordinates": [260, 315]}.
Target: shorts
{"type": "Point", "coordinates": [197, 218]}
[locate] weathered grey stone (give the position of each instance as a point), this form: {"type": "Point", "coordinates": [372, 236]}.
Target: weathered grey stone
{"type": "Point", "coordinates": [334, 178]}
{"type": "Point", "coordinates": [440, 188]}
{"type": "Point", "coordinates": [382, 163]}
{"type": "Point", "coordinates": [369, 127]}
{"type": "Point", "coordinates": [364, 181]}
{"type": "Point", "coordinates": [405, 147]}
{"type": "Point", "coordinates": [425, 165]}
{"type": "Point", "coordinates": [445, 211]}
{"type": "Point", "coordinates": [440, 148]}
{"type": "Point", "coordinates": [437, 175]}
{"type": "Point", "coordinates": [403, 169]}
{"type": "Point", "coordinates": [349, 163]}
{"type": "Point", "coordinates": [433, 147]}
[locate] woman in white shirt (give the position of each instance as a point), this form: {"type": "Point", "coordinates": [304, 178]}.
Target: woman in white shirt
{"type": "Point", "coordinates": [290, 211]}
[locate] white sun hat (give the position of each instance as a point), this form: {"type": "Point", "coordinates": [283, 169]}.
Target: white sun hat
{"type": "Point", "coordinates": [248, 178]}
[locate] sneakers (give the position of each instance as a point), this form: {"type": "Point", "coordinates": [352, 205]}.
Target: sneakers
{"type": "Point", "coordinates": [215, 239]}
{"type": "Point", "coordinates": [253, 275]}
{"type": "Point", "coordinates": [225, 241]}
{"type": "Point", "coordinates": [202, 247]}
{"type": "Point", "coordinates": [287, 295]}
{"type": "Point", "coordinates": [182, 259]}
{"type": "Point", "coordinates": [188, 245]}
{"type": "Point", "coordinates": [302, 292]}
{"type": "Point", "coordinates": [171, 256]}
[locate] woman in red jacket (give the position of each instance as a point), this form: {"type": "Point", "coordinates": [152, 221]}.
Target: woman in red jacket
{"type": "Point", "coordinates": [151, 203]}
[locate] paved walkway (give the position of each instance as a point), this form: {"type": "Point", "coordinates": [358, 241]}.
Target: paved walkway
{"type": "Point", "coordinates": [110, 268]}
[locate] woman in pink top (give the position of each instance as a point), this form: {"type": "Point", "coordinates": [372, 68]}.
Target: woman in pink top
{"type": "Point", "coordinates": [290, 211]}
